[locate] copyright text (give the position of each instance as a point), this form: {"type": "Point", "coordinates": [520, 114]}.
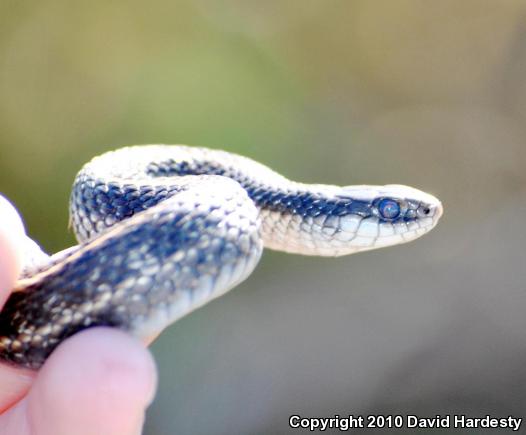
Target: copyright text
{"type": "Point", "coordinates": [455, 421]}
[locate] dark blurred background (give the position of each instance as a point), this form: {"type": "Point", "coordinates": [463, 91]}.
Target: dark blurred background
{"type": "Point", "coordinates": [430, 94]}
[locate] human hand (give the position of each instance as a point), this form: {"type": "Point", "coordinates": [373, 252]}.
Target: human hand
{"type": "Point", "coordinates": [99, 381]}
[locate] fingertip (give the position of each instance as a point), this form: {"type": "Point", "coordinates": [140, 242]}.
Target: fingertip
{"type": "Point", "coordinates": [100, 380]}
{"type": "Point", "coordinates": [11, 231]}
{"type": "Point", "coordinates": [10, 217]}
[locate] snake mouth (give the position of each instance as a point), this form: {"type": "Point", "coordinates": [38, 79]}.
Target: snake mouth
{"type": "Point", "coordinates": [437, 210]}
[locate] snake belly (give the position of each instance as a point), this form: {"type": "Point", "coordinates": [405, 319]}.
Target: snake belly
{"type": "Point", "coordinates": [163, 229]}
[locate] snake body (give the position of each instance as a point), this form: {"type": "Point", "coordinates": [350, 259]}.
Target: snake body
{"type": "Point", "coordinates": [164, 229]}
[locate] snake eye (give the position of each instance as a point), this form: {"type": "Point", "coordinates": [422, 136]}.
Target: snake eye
{"type": "Point", "coordinates": [389, 208]}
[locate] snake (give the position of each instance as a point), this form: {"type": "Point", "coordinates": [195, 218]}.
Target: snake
{"type": "Point", "coordinates": [164, 229]}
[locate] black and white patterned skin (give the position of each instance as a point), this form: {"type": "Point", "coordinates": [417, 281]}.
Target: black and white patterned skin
{"type": "Point", "coordinates": [164, 229]}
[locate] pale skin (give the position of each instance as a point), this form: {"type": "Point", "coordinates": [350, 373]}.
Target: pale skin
{"type": "Point", "coordinates": [99, 381]}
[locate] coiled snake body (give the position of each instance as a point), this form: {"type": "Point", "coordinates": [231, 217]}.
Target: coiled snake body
{"type": "Point", "coordinates": [164, 229]}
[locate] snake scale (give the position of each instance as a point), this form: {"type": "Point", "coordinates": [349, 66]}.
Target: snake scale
{"type": "Point", "coordinates": [163, 229]}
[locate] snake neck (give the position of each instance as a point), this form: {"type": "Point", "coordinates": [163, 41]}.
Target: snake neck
{"type": "Point", "coordinates": [308, 219]}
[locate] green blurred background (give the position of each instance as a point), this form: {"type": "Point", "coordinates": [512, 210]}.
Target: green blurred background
{"type": "Point", "coordinates": [430, 94]}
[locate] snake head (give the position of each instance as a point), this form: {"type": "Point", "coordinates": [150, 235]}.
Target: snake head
{"type": "Point", "coordinates": [380, 216]}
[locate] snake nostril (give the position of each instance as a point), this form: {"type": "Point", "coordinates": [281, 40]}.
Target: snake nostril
{"type": "Point", "coordinates": [424, 211]}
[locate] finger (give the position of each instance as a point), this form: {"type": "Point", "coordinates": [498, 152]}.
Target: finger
{"type": "Point", "coordinates": [11, 232]}
{"type": "Point", "coordinates": [14, 382]}
{"type": "Point", "coordinates": [98, 382]}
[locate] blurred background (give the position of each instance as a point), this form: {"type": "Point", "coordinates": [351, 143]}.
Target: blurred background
{"type": "Point", "coordinates": [430, 94]}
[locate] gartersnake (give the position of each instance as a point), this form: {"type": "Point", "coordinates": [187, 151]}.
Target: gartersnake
{"type": "Point", "coordinates": [164, 229]}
